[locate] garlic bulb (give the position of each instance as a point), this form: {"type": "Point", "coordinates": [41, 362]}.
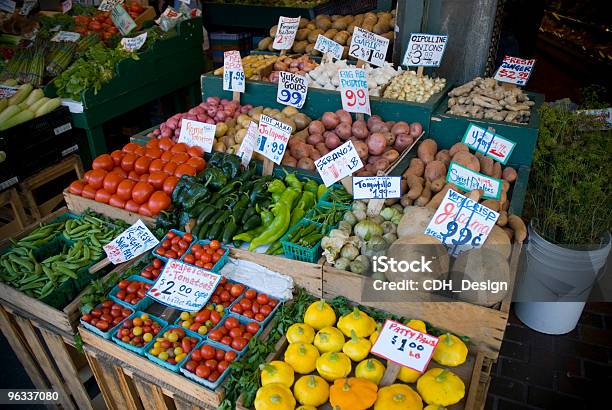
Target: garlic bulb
{"type": "Point", "coordinates": [410, 87]}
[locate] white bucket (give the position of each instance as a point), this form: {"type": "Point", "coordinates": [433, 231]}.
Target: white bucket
{"type": "Point", "coordinates": [555, 283]}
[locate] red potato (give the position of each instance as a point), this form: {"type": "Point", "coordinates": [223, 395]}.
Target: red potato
{"type": "Point", "coordinates": [373, 120]}
{"type": "Point", "coordinates": [380, 165]}
{"type": "Point", "coordinates": [316, 127]}
{"type": "Point", "coordinates": [391, 155]}
{"type": "Point", "coordinates": [389, 137]}
{"type": "Point", "coordinates": [402, 141]}
{"type": "Point", "coordinates": [400, 127]}
{"type": "Point", "coordinates": [360, 129]}
{"type": "Point", "coordinates": [343, 131]}
{"type": "Point", "coordinates": [361, 148]}
{"type": "Point", "coordinates": [379, 127]}
{"type": "Point", "coordinates": [330, 120]}
{"type": "Point", "coordinates": [373, 158]}
{"type": "Point", "coordinates": [289, 161]}
{"type": "Point", "coordinates": [314, 139]}
{"type": "Point", "coordinates": [376, 143]}
{"type": "Point", "coordinates": [344, 117]}
{"type": "Point", "coordinates": [332, 141]}
{"type": "Point", "coordinates": [416, 129]}
{"type": "Point", "coordinates": [322, 148]}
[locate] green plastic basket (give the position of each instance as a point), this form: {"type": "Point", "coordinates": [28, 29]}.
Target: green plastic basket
{"type": "Point", "coordinates": [298, 252]}
{"type": "Point", "coordinates": [324, 200]}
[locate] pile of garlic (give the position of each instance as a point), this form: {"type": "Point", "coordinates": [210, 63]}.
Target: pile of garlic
{"type": "Point", "coordinates": [326, 76]}
{"type": "Point", "coordinates": [410, 87]}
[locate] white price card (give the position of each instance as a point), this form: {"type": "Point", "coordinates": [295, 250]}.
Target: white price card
{"type": "Point", "coordinates": [460, 223]}
{"type": "Point", "coordinates": [245, 152]}
{"type": "Point", "coordinates": [425, 50]}
{"type": "Point", "coordinates": [469, 180]}
{"type": "Point", "coordinates": [122, 20]}
{"type": "Point", "coordinates": [488, 143]}
{"type": "Point", "coordinates": [7, 91]}
{"type": "Point", "coordinates": [368, 47]}
{"type": "Point", "coordinates": [108, 5]}
{"type": "Point", "coordinates": [354, 90]}
{"type": "Point", "coordinates": [8, 6]}
{"type": "Point", "coordinates": [273, 137]}
{"type": "Point", "coordinates": [326, 45]}
{"type": "Point", "coordinates": [233, 73]}
{"type": "Point", "coordinates": [201, 134]}
{"type": "Point", "coordinates": [404, 346]}
{"type": "Point", "coordinates": [602, 116]}
{"type": "Point", "coordinates": [133, 242]}
{"type": "Point", "coordinates": [27, 7]}
{"type": "Point", "coordinates": [285, 32]}
{"type": "Point", "coordinates": [66, 6]}
{"type": "Point", "coordinates": [134, 43]}
{"type": "Point", "coordinates": [514, 70]}
{"type": "Point", "coordinates": [292, 89]}
{"type": "Point", "coordinates": [339, 163]}
{"type": "Point", "coordinates": [184, 287]}
{"type": "Point", "coordinates": [66, 36]}
{"type": "Point", "coordinates": [379, 187]}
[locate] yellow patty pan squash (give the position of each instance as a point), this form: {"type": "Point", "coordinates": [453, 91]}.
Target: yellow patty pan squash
{"type": "Point", "coordinates": [319, 315]}
{"type": "Point", "coordinates": [329, 339]}
{"type": "Point", "coordinates": [274, 396]}
{"type": "Point", "coordinates": [450, 351]}
{"type": "Point", "coordinates": [434, 407]}
{"type": "Point", "coordinates": [352, 393]}
{"type": "Point", "coordinates": [407, 375]}
{"type": "Point", "coordinates": [441, 387]}
{"type": "Point", "coordinates": [371, 369]}
{"type": "Point", "coordinates": [417, 325]}
{"type": "Point", "coordinates": [276, 372]}
{"type": "Point", "coordinates": [398, 397]}
{"type": "Point", "coordinates": [302, 357]}
{"type": "Point", "coordinates": [357, 348]}
{"type": "Point", "coordinates": [375, 334]}
{"type": "Point", "coordinates": [360, 322]}
{"type": "Point", "coordinates": [306, 408]}
{"type": "Point", "coordinates": [333, 365]}
{"type": "Point", "coordinates": [311, 390]}
{"type": "Point", "coordinates": [300, 333]}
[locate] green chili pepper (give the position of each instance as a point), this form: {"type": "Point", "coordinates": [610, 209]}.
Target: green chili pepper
{"type": "Point", "coordinates": [277, 228]}
{"type": "Point", "coordinates": [311, 186]}
{"type": "Point", "coordinates": [321, 191]}
{"type": "Point", "coordinates": [292, 181]}
{"type": "Point", "coordinates": [307, 201]}
{"type": "Point", "coordinates": [276, 186]}
{"type": "Point", "coordinates": [296, 215]}
{"type": "Point", "coordinates": [289, 197]}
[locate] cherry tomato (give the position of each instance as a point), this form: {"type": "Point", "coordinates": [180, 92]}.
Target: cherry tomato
{"type": "Point", "coordinates": [250, 294]}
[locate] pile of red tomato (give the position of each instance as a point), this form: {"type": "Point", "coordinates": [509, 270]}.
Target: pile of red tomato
{"type": "Point", "coordinates": [140, 179]}
{"type": "Point", "coordinates": [132, 291]}
{"type": "Point", "coordinates": [233, 333]}
{"type": "Point", "coordinates": [205, 256]}
{"type": "Point", "coordinates": [255, 305]}
{"type": "Point", "coordinates": [102, 23]}
{"type": "Point", "coordinates": [210, 363]}
{"type": "Point", "coordinates": [153, 270]}
{"type": "Point", "coordinates": [107, 315]}
{"type": "Point", "coordinates": [174, 246]}
{"type": "Point", "coordinates": [225, 292]}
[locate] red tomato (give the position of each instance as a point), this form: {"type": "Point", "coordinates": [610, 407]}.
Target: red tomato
{"type": "Point", "coordinates": [249, 314]}
{"type": "Point", "coordinates": [191, 365]}
{"type": "Point", "coordinates": [152, 143]}
{"type": "Point", "coordinates": [76, 187]}
{"type": "Point", "coordinates": [213, 376]}
{"type": "Point", "coordinates": [237, 309]}
{"type": "Point", "coordinates": [265, 310]}
{"type": "Point", "coordinates": [166, 156]}
{"type": "Point", "coordinates": [196, 162]}
{"type": "Point", "coordinates": [215, 335]}
{"type": "Point", "coordinates": [189, 259]}
{"type": "Point", "coordinates": [153, 152]}
{"type": "Point", "coordinates": [131, 206]}
{"type": "Point", "coordinates": [252, 328]}
{"type": "Point", "coordinates": [239, 343]}
{"type": "Point", "coordinates": [120, 171]}
{"type": "Point", "coordinates": [117, 155]}
{"type": "Point", "coordinates": [215, 317]}
{"type": "Point", "coordinates": [259, 317]}
{"type": "Point", "coordinates": [169, 168]}
{"type": "Point", "coordinates": [165, 144]}
{"type": "Point", "coordinates": [145, 210]}
{"type": "Point", "coordinates": [195, 152]}
{"type": "Point", "coordinates": [156, 165]}
{"type": "Point", "coordinates": [133, 176]}
{"type": "Point", "coordinates": [180, 157]}
{"type": "Point", "coordinates": [144, 178]}
{"type": "Point", "coordinates": [203, 316]}
{"type": "Point", "coordinates": [141, 192]}
{"type": "Point", "coordinates": [202, 371]}
{"type": "Point", "coordinates": [262, 299]}
{"type": "Point", "coordinates": [102, 196]}
{"type": "Point", "coordinates": [180, 147]}
{"type": "Point", "coordinates": [230, 356]}
{"type": "Point", "coordinates": [222, 366]}
{"type": "Point", "coordinates": [235, 332]}
{"type": "Point", "coordinates": [104, 161]}
{"type": "Point", "coordinates": [226, 340]}
{"type": "Point", "coordinates": [214, 244]}
{"type": "Point", "coordinates": [157, 178]}
{"type": "Point", "coordinates": [88, 192]}
{"type": "Point", "coordinates": [250, 294]}
{"type": "Point", "coordinates": [95, 177]}
{"type": "Point", "coordinates": [141, 165]}
{"type": "Point", "coordinates": [140, 151]}
{"type": "Point", "coordinates": [159, 201]}
{"type": "Point", "coordinates": [124, 189]}
{"type": "Point", "coordinates": [127, 162]}
{"type": "Point", "coordinates": [246, 303]}
{"type": "Point", "coordinates": [111, 182]}
{"type": "Point", "coordinates": [231, 322]}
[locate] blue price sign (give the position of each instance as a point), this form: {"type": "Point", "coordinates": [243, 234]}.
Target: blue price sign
{"type": "Point", "coordinates": [292, 89]}
{"type": "Point", "coordinates": [233, 73]}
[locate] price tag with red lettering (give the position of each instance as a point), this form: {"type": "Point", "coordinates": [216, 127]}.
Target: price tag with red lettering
{"type": "Point", "coordinates": [184, 287]}
{"type": "Point", "coordinates": [488, 143]}
{"type": "Point", "coordinates": [285, 32]}
{"type": "Point", "coordinates": [198, 133]}
{"type": "Point", "coordinates": [233, 73]}
{"type": "Point", "coordinates": [273, 138]}
{"type": "Point", "coordinates": [354, 90]}
{"type": "Point", "coordinates": [514, 70]}
{"type": "Point", "coordinates": [339, 163]}
{"type": "Point", "coordinates": [404, 346]}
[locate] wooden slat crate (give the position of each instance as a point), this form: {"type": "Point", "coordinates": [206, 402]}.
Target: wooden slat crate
{"type": "Point", "coordinates": [12, 212]}
{"type": "Point", "coordinates": [78, 204]}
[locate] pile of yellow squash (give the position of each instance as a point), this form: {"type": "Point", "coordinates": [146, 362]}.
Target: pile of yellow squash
{"type": "Point", "coordinates": [319, 367]}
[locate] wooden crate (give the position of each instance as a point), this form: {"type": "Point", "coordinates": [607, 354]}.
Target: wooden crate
{"type": "Point", "coordinates": [146, 15]}
{"type": "Point", "coordinates": [78, 204]}
{"type": "Point", "coordinates": [45, 178]}
{"type": "Point", "coordinates": [13, 218]}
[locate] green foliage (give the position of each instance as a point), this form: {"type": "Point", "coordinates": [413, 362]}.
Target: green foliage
{"type": "Point", "coordinates": [569, 186]}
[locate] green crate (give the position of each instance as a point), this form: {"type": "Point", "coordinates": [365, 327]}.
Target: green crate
{"type": "Point", "coordinates": [301, 253]}
{"type": "Point", "coordinates": [324, 200]}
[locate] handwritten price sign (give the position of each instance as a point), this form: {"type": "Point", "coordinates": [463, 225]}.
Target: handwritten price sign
{"type": "Point", "coordinates": [382, 187]}
{"type": "Point", "coordinates": [368, 47]}
{"type": "Point", "coordinates": [198, 133]}
{"type": "Point", "coordinates": [404, 346]}
{"type": "Point", "coordinates": [184, 286]}
{"type": "Point", "coordinates": [273, 138]}
{"type": "Point", "coordinates": [233, 73]}
{"type": "Point", "coordinates": [245, 152]}
{"type": "Point", "coordinates": [285, 32]}
{"type": "Point", "coordinates": [425, 50]}
{"type": "Point", "coordinates": [108, 5]}
{"type": "Point", "coordinates": [134, 241]}
{"type": "Point", "coordinates": [488, 143]}
{"type": "Point", "coordinates": [354, 90]}
{"type": "Point", "coordinates": [292, 89]}
{"type": "Point", "coordinates": [514, 70]}
{"type": "Point", "coordinates": [122, 20]}
{"type": "Point", "coordinates": [325, 45]}
{"type": "Point", "coordinates": [134, 43]}
{"type": "Point", "coordinates": [460, 223]}
{"type": "Point", "coordinates": [66, 36]}
{"type": "Point", "coordinates": [7, 92]}
{"type": "Point", "coordinates": [339, 163]}
{"type": "Point", "coordinates": [469, 180]}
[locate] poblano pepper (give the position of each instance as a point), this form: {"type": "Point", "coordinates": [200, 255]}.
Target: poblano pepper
{"type": "Point", "coordinates": [213, 177]}
{"type": "Point", "coordinates": [277, 228]}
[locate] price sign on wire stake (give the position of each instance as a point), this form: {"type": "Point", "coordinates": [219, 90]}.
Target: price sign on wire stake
{"type": "Point", "coordinates": [469, 180]}
{"type": "Point", "coordinates": [108, 5]}
{"type": "Point", "coordinates": [233, 73]}
{"type": "Point", "coordinates": [245, 152]}
{"type": "Point", "coordinates": [122, 20]}
{"type": "Point", "coordinates": [425, 50]}
{"type": "Point", "coordinates": [326, 45]}
{"type": "Point", "coordinates": [354, 90]}
{"type": "Point", "coordinates": [285, 32]}
{"type": "Point", "coordinates": [404, 346]}
{"type": "Point", "coordinates": [292, 89]}
{"type": "Point", "coordinates": [380, 187]}
{"type": "Point", "coordinates": [66, 6]}
{"type": "Point", "coordinates": [27, 7]}
{"type": "Point", "coordinates": [339, 163]}
{"type": "Point", "coordinates": [489, 143]}
{"type": "Point", "coordinates": [184, 287]}
{"type": "Point", "coordinates": [70, 36]}
{"type": "Point", "coordinates": [514, 70]}
{"type": "Point", "coordinates": [134, 43]}
{"type": "Point", "coordinates": [460, 223]}
{"type": "Point", "coordinates": [368, 47]}
{"type": "Point", "coordinates": [272, 139]}
{"type": "Point", "coordinates": [133, 242]}
{"type": "Point", "coordinates": [198, 133]}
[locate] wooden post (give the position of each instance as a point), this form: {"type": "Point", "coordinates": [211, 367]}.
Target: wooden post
{"type": "Point", "coordinates": [347, 183]}
{"type": "Point", "coordinates": [268, 166]}
{"type": "Point", "coordinates": [420, 71]}
{"type": "Point", "coordinates": [390, 375]}
{"type": "Point", "coordinates": [376, 205]}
